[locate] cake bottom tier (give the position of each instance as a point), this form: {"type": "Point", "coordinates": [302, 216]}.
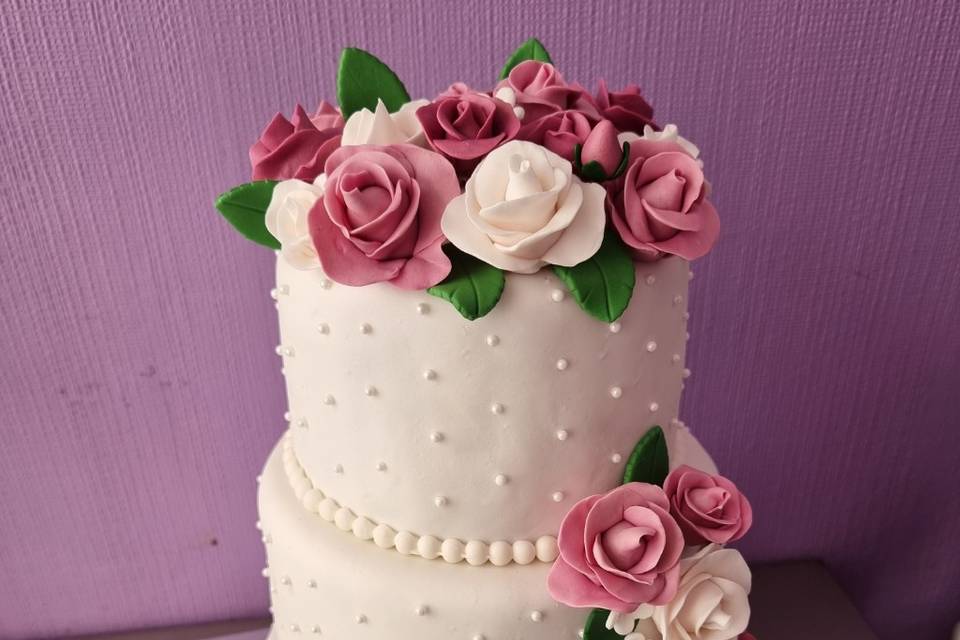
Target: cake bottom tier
{"type": "Point", "coordinates": [325, 582]}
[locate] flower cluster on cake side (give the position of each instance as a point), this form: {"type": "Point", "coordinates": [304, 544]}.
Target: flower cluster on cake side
{"type": "Point", "coordinates": [446, 195]}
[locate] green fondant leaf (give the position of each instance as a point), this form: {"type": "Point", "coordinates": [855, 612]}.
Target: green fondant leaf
{"type": "Point", "coordinates": [648, 462]}
{"type": "Point", "coordinates": [532, 49]}
{"type": "Point", "coordinates": [362, 79]}
{"type": "Point", "coordinates": [245, 206]}
{"type": "Point", "coordinates": [602, 285]}
{"type": "Point", "coordinates": [595, 628]}
{"type": "Point", "coordinates": [473, 286]}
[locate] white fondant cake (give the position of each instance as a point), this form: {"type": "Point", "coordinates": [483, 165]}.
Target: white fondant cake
{"type": "Point", "coordinates": [483, 321]}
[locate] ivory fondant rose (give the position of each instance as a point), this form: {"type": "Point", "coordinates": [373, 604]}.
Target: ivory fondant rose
{"type": "Point", "coordinates": [708, 508]}
{"type": "Point", "coordinates": [661, 207]}
{"type": "Point", "coordinates": [382, 127]}
{"type": "Point", "coordinates": [379, 217]}
{"type": "Point", "coordinates": [523, 208]}
{"type": "Point", "coordinates": [286, 220]}
{"type": "Point", "coordinates": [466, 126]}
{"type": "Point", "coordinates": [540, 89]}
{"type": "Point", "coordinates": [296, 148]}
{"type": "Point", "coordinates": [618, 551]}
{"type": "Point", "coordinates": [710, 604]}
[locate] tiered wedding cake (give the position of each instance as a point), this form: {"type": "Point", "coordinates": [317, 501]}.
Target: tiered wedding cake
{"type": "Point", "coordinates": [483, 312]}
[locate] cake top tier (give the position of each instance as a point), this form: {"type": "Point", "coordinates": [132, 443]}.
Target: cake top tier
{"type": "Point", "coordinates": [447, 195]}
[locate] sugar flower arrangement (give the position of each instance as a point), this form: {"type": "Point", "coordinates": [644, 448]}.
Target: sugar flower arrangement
{"type": "Point", "coordinates": [446, 195]}
{"type": "Point", "coordinates": [649, 557]}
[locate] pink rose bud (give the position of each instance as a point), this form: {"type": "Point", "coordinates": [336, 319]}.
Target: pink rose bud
{"type": "Point", "coordinates": [707, 508]}
{"type": "Point", "coordinates": [602, 146]}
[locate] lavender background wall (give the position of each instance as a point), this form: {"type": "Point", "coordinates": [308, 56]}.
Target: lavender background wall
{"type": "Point", "coordinates": [139, 393]}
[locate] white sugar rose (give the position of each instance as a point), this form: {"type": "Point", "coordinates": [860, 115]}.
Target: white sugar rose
{"type": "Point", "coordinates": [382, 127]}
{"type": "Point", "coordinates": [711, 602]}
{"type": "Point", "coordinates": [286, 220]}
{"type": "Point", "coordinates": [669, 133]}
{"type": "Point", "coordinates": [523, 208]}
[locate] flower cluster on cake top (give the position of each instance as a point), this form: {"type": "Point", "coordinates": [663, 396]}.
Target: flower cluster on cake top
{"type": "Point", "coordinates": [445, 195]}
{"type": "Point", "coordinates": [649, 557]}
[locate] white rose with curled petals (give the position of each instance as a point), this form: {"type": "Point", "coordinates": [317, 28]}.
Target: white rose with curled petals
{"type": "Point", "coordinates": [711, 602]}
{"type": "Point", "coordinates": [286, 220]}
{"type": "Point", "coordinates": [523, 208]}
{"type": "Point", "coordinates": [382, 127]}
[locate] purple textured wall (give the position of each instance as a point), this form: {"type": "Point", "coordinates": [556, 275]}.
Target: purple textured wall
{"type": "Point", "coordinates": [139, 393]}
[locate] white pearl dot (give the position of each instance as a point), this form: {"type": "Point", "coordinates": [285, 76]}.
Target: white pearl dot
{"type": "Point", "coordinates": [562, 364]}
{"type": "Point", "coordinates": [422, 610]}
{"type": "Point", "coordinates": [315, 629]}
{"type": "Point", "coordinates": [651, 346]}
{"type": "Point", "coordinates": [497, 408]}
{"type": "Point", "coordinates": [288, 351]}
{"type": "Point", "coordinates": [287, 417]}
{"type": "Point", "coordinates": [686, 315]}
{"type": "Point", "coordinates": [423, 308]}
{"type": "Point", "coordinates": [365, 328]}
{"type": "Point", "coordinates": [329, 400]}
{"type": "Point", "coordinates": [312, 584]}
{"type": "Point", "coordinates": [285, 580]}
{"type": "Point", "coordinates": [536, 615]}
{"type": "Point", "coordinates": [493, 340]}
{"type": "Point", "coordinates": [654, 407]}
{"type": "Point", "coordinates": [687, 335]}
{"type": "Point", "coordinates": [338, 468]}
{"type": "Point", "coordinates": [562, 434]}
{"type": "Point", "coordinates": [284, 289]}
{"type": "Point", "coordinates": [557, 295]}
{"type": "Point", "coordinates": [616, 458]}
{"type": "Point", "coordinates": [686, 373]}
{"type": "Point", "coordinates": [651, 279]}
{"type": "Point", "coordinates": [370, 391]}
{"type": "Point", "coordinates": [478, 636]}
{"type": "Point", "coordinates": [441, 501]}
{"type": "Point", "coordinates": [500, 479]}
{"type": "Point", "coordinates": [274, 294]}
{"type": "Point", "coordinates": [323, 328]}
{"type": "Point", "coordinates": [676, 358]}
{"type": "Point", "coordinates": [361, 619]}
{"type": "Point", "coordinates": [278, 350]}
{"type": "Point", "coordinates": [677, 300]}
{"type": "Point", "coordinates": [436, 436]}
{"type": "Point", "coordinates": [381, 466]}
{"type": "Point", "coordinates": [283, 371]}
{"type": "Point", "coordinates": [615, 327]}
{"type": "Point", "coordinates": [616, 392]}
{"type": "Point", "coordinates": [580, 633]}
{"type": "Point", "coordinates": [266, 572]}
{"type": "Point", "coordinates": [302, 423]}
{"type": "Point", "coordinates": [295, 628]}
{"type": "Point", "coordinates": [429, 374]}
{"type": "Point", "coordinates": [267, 539]}
{"type": "Point", "coordinates": [690, 275]}
{"type": "Point", "coordinates": [557, 496]}
{"type": "Point", "coordinates": [259, 479]}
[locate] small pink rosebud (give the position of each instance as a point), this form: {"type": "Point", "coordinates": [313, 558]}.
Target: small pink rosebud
{"type": "Point", "coordinates": [602, 146]}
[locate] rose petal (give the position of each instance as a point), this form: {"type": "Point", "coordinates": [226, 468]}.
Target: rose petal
{"type": "Point", "coordinates": [584, 235]}
{"type": "Point", "coordinates": [425, 269]}
{"type": "Point", "coordinates": [572, 588]}
{"type": "Point", "coordinates": [465, 235]}
{"type": "Point", "coordinates": [694, 244]}
{"type": "Point", "coordinates": [342, 261]}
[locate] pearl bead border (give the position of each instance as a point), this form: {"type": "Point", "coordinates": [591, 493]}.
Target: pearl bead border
{"type": "Point", "coordinates": [452, 550]}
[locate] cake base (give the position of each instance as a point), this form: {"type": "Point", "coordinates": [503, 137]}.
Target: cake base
{"type": "Point", "coordinates": [324, 581]}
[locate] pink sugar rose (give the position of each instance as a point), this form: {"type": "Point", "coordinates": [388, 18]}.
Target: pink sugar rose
{"type": "Point", "coordinates": [559, 131]}
{"type": "Point", "coordinates": [708, 508]}
{"type": "Point", "coordinates": [379, 217]}
{"type": "Point", "coordinates": [466, 126]}
{"type": "Point", "coordinates": [626, 109]}
{"type": "Point", "coordinates": [298, 148]}
{"type": "Point", "coordinates": [618, 551]}
{"type": "Point", "coordinates": [540, 89]}
{"type": "Point", "coordinates": [660, 206]}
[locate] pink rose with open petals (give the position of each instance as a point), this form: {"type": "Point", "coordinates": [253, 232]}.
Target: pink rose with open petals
{"type": "Point", "coordinates": [540, 89]}
{"type": "Point", "coordinates": [708, 508]}
{"type": "Point", "coordinates": [618, 551]}
{"type": "Point", "coordinates": [298, 148]}
{"type": "Point", "coordinates": [627, 109]}
{"type": "Point", "coordinates": [559, 131]}
{"type": "Point", "coordinates": [379, 217]}
{"type": "Point", "coordinates": [465, 127]}
{"type": "Point", "coordinates": [660, 207]}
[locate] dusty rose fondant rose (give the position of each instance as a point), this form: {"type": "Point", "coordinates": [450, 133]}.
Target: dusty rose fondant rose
{"type": "Point", "coordinates": [379, 217]}
{"type": "Point", "coordinates": [559, 131]}
{"type": "Point", "coordinates": [660, 205]}
{"type": "Point", "coordinates": [382, 127]}
{"type": "Point", "coordinates": [523, 208]}
{"type": "Point", "coordinates": [540, 89]}
{"type": "Point", "coordinates": [296, 148]}
{"type": "Point", "coordinates": [626, 109]}
{"type": "Point", "coordinates": [618, 551]}
{"type": "Point", "coordinates": [466, 126]}
{"type": "Point", "coordinates": [708, 508]}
